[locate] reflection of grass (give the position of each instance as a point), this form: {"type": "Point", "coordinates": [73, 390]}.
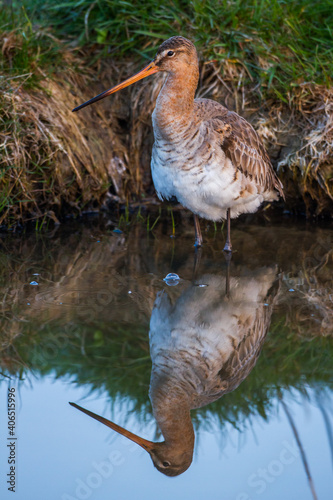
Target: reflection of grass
{"type": "Point", "coordinates": [118, 362]}
{"type": "Point", "coordinates": [109, 351]}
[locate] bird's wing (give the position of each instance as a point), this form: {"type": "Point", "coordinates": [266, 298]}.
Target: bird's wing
{"type": "Point", "coordinates": [243, 147]}
{"type": "Point", "coordinates": [241, 144]}
{"type": "Point", "coordinates": [245, 352]}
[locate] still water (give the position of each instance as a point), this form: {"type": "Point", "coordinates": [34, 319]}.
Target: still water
{"type": "Point", "coordinates": [230, 365]}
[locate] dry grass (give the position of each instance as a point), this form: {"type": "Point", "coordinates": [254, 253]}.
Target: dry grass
{"type": "Point", "coordinates": [52, 160]}
{"type": "Point", "coordinates": [311, 163]}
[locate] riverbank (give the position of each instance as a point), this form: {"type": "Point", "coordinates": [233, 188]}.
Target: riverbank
{"type": "Point", "coordinates": [55, 163]}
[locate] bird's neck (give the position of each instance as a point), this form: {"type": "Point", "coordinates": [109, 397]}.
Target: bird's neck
{"type": "Point", "coordinates": [175, 102]}
{"type": "Point", "coordinates": [171, 408]}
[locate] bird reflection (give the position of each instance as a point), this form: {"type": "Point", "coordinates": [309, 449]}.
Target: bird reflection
{"type": "Point", "coordinates": [203, 344]}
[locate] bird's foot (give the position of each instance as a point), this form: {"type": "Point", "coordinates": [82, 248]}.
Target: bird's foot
{"type": "Point", "coordinates": [227, 247]}
{"type": "Point", "coordinates": [227, 252]}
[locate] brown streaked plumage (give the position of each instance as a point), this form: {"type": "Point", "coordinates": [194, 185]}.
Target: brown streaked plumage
{"type": "Point", "coordinates": [209, 158]}
{"type": "Point", "coordinates": [203, 344]}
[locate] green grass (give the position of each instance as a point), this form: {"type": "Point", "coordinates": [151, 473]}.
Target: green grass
{"type": "Point", "coordinates": [278, 43]}
{"type": "Point", "coordinates": [29, 51]}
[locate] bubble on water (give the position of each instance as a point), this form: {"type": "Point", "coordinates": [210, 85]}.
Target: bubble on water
{"type": "Point", "coordinates": [35, 274]}
{"type": "Point", "coordinates": [129, 291]}
{"type": "Point", "coordinates": [201, 285]}
{"type": "Point", "coordinates": [172, 279]}
{"type": "Point", "coordinates": [33, 283]}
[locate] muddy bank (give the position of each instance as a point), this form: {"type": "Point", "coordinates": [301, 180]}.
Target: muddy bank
{"type": "Point", "coordinates": [54, 162]}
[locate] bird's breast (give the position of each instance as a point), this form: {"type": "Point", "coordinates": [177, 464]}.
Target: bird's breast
{"type": "Point", "coordinates": [192, 166]}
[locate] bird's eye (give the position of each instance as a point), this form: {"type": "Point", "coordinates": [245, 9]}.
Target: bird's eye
{"type": "Point", "coordinates": [166, 464]}
{"type": "Point", "coordinates": [170, 53]}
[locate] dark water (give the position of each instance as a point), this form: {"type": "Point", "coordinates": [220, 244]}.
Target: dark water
{"type": "Point", "coordinates": [243, 351]}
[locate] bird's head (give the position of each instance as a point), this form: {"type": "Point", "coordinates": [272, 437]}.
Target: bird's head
{"type": "Point", "coordinates": [176, 54]}
{"type": "Point", "coordinates": [168, 459]}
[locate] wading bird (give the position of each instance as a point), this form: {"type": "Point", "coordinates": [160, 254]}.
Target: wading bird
{"type": "Point", "coordinates": [202, 346]}
{"type": "Point", "coordinates": [209, 158]}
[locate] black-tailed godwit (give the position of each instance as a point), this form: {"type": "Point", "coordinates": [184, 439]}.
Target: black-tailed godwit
{"type": "Point", "coordinates": [209, 158]}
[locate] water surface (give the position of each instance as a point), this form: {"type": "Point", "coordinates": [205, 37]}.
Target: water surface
{"type": "Point", "coordinates": [87, 317]}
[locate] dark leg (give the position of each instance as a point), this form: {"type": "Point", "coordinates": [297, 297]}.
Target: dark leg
{"type": "Point", "coordinates": [198, 236]}
{"type": "Point", "coordinates": [227, 278]}
{"type": "Point", "coordinates": [197, 258]}
{"type": "Point", "coordinates": [228, 246]}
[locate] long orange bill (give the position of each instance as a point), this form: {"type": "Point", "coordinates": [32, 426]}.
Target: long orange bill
{"type": "Point", "coordinates": [144, 443]}
{"type": "Point", "coordinates": [148, 70]}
